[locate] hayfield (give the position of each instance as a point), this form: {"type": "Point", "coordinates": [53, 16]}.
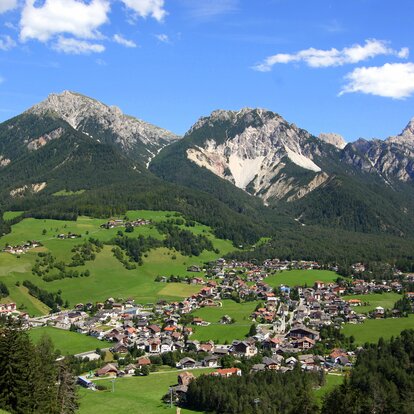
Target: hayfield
{"type": "Point", "coordinates": [218, 332]}
{"type": "Point", "coordinates": [386, 300]}
{"type": "Point", "coordinates": [301, 277]}
{"type": "Point", "coordinates": [373, 329]}
{"type": "Point", "coordinates": [133, 395]}
{"type": "Point", "coordinates": [67, 342]}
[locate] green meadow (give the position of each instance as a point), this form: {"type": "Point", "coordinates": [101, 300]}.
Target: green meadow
{"type": "Point", "coordinates": [10, 215]}
{"type": "Point", "coordinates": [67, 342]}
{"type": "Point", "coordinates": [218, 332]}
{"type": "Point", "coordinates": [331, 381]}
{"type": "Point", "coordinates": [108, 277]}
{"type": "Point", "coordinates": [143, 394]}
{"type": "Point", "coordinates": [300, 277]}
{"type": "Point", "coordinates": [133, 395]}
{"type": "Point", "coordinates": [373, 329]}
{"type": "Point", "coordinates": [371, 301]}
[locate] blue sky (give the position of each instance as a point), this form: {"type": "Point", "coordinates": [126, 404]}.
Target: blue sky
{"type": "Point", "coordinates": [327, 66]}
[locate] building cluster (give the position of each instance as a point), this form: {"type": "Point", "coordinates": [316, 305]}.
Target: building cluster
{"type": "Point", "coordinates": [112, 224]}
{"type": "Point", "coordinates": [22, 248]}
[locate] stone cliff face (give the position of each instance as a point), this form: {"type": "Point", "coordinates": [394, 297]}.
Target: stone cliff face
{"type": "Point", "coordinates": [103, 122]}
{"type": "Point", "coordinates": [392, 159]}
{"type": "Point", "coordinates": [255, 152]}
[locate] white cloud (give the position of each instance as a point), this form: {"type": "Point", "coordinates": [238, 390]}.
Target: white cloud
{"type": "Point", "coordinates": [117, 38]}
{"type": "Point", "coordinates": [333, 57]}
{"type": "Point", "coordinates": [6, 5]}
{"type": "Point", "coordinates": [63, 16]}
{"type": "Point", "coordinates": [6, 43]}
{"type": "Point", "coordinates": [77, 47]}
{"type": "Point", "coordinates": [147, 8]}
{"type": "Point", "coordinates": [163, 38]}
{"type": "Point", "coordinates": [392, 80]}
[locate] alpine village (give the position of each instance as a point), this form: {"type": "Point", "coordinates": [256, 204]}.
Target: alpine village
{"type": "Point", "coordinates": [243, 266]}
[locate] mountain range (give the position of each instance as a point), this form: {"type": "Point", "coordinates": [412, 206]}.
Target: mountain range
{"type": "Point", "coordinates": [248, 168]}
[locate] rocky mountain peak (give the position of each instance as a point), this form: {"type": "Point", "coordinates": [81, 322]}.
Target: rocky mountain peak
{"type": "Point", "coordinates": [406, 137]}
{"type": "Point", "coordinates": [333, 139]}
{"type": "Point", "coordinates": [96, 119]}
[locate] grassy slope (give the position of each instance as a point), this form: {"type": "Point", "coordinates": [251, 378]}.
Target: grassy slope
{"type": "Point", "coordinates": [332, 380]}
{"type": "Point", "coordinates": [133, 395]}
{"type": "Point", "coordinates": [373, 329]}
{"type": "Point", "coordinates": [10, 215]}
{"type": "Point", "coordinates": [108, 277]}
{"type": "Point", "coordinates": [386, 300]}
{"type": "Point", "coordinates": [216, 331]}
{"type": "Point", "coordinates": [300, 277]}
{"type": "Point", "coordinates": [67, 342]}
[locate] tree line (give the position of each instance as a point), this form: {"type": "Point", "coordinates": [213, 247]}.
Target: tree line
{"type": "Point", "coordinates": [31, 378]}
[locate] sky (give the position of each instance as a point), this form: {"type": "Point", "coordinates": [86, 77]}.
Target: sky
{"type": "Point", "coordinates": [327, 66]}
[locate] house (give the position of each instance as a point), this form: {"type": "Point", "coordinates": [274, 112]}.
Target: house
{"type": "Point", "coordinates": [120, 348]}
{"type": "Point", "coordinates": [304, 343]}
{"type": "Point", "coordinates": [227, 372]}
{"type": "Point", "coordinates": [302, 331]}
{"type": "Point", "coordinates": [154, 346]}
{"type": "Point", "coordinates": [226, 320]}
{"type": "Point", "coordinates": [273, 363]}
{"type": "Point", "coordinates": [142, 362]}
{"type": "Point", "coordinates": [130, 369]}
{"type": "Point", "coordinates": [108, 369]}
{"type": "Point", "coordinates": [185, 378]}
{"type": "Point", "coordinates": [186, 363]}
{"type": "Point", "coordinates": [243, 348]}
{"type": "Point", "coordinates": [211, 361]}
{"type": "Point", "coordinates": [197, 321]}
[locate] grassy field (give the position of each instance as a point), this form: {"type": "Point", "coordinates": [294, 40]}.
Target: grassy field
{"type": "Point", "coordinates": [386, 300]}
{"type": "Point", "coordinates": [10, 215]}
{"type": "Point", "coordinates": [218, 332]}
{"type": "Point", "coordinates": [373, 329]}
{"type": "Point", "coordinates": [108, 277]}
{"type": "Point", "coordinates": [68, 343]}
{"type": "Point", "coordinates": [301, 277]}
{"type": "Point", "coordinates": [332, 380]}
{"type": "Point", "coordinates": [133, 395]}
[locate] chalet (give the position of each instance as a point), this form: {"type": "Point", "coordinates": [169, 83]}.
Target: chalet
{"type": "Point", "coordinates": [211, 361]}
{"type": "Point", "coordinates": [197, 321]}
{"type": "Point", "coordinates": [154, 346]}
{"type": "Point", "coordinates": [227, 372]}
{"type": "Point", "coordinates": [304, 343]}
{"type": "Point", "coordinates": [194, 268]}
{"type": "Point", "coordinates": [226, 320]}
{"type": "Point", "coordinates": [302, 331]}
{"type": "Point", "coordinates": [120, 348]}
{"type": "Point", "coordinates": [107, 370]}
{"type": "Point", "coordinates": [142, 362]}
{"type": "Point", "coordinates": [243, 348]}
{"type": "Point", "coordinates": [273, 363]}
{"type": "Point", "coordinates": [186, 363]}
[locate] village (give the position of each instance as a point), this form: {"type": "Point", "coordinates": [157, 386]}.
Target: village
{"type": "Point", "coordinates": [286, 324]}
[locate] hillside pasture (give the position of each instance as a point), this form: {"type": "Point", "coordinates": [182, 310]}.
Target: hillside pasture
{"type": "Point", "coordinates": [67, 342]}
{"type": "Point", "coordinates": [108, 277]}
